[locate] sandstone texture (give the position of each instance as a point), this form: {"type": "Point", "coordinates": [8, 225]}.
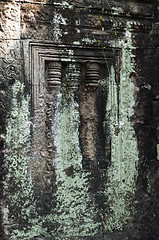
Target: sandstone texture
{"type": "Point", "coordinates": [79, 120]}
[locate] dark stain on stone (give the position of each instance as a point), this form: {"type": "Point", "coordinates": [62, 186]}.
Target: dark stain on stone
{"type": "Point", "coordinates": [69, 171]}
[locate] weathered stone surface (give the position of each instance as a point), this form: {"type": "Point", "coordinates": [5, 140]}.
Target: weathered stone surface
{"type": "Point", "coordinates": [10, 20]}
{"type": "Point", "coordinates": [79, 120]}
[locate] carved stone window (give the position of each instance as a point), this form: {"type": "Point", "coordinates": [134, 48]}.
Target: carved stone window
{"type": "Point", "coordinates": [53, 67]}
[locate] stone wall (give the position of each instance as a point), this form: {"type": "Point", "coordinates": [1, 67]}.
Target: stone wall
{"type": "Point", "coordinates": [79, 120]}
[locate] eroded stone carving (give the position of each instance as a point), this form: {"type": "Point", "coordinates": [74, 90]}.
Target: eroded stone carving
{"type": "Point", "coordinates": [72, 103]}
{"type": "Point", "coordinates": [72, 75]}
{"type": "Point", "coordinates": [92, 74]}
{"type": "Point", "coordinates": [61, 71]}
{"type": "Point", "coordinates": [91, 131]}
{"type": "Point", "coordinates": [54, 74]}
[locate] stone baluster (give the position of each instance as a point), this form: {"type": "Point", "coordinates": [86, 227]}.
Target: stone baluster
{"type": "Point", "coordinates": [54, 74]}
{"type": "Point", "coordinates": [92, 75]}
{"type": "Point", "coordinates": [73, 72]}
{"type": "Point", "coordinates": [53, 79]}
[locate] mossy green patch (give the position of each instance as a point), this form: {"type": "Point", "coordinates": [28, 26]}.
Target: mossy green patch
{"type": "Point", "coordinates": [19, 187]}
{"type": "Point", "coordinates": [122, 173]}
{"type": "Point", "coordinates": [75, 214]}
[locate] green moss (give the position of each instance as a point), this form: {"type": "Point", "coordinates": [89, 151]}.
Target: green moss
{"type": "Point", "coordinates": [19, 188]}
{"type": "Point", "coordinates": [75, 209]}
{"type": "Point", "coordinates": [122, 173]}
{"type": "Point", "coordinates": [117, 11]}
{"type": "Point", "coordinates": [75, 213]}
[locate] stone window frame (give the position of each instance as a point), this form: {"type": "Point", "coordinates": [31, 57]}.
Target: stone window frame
{"type": "Point", "coordinates": [40, 53]}
{"type": "Point", "coordinates": [43, 53]}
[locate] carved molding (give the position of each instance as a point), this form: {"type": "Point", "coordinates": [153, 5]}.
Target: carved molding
{"type": "Point", "coordinates": [43, 53]}
{"type": "Point", "coordinates": [137, 25]}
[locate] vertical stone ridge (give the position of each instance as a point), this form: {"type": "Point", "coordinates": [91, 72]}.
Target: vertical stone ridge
{"type": "Point", "coordinates": [91, 128]}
